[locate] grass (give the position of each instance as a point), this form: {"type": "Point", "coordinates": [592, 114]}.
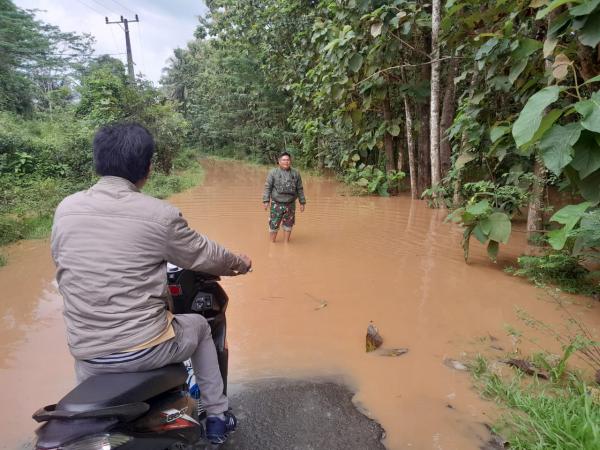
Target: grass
{"type": "Point", "coordinates": [30, 214]}
{"type": "Point", "coordinates": [162, 186]}
{"type": "Point", "coordinates": [558, 414]}
{"type": "Point", "coordinates": [558, 269]}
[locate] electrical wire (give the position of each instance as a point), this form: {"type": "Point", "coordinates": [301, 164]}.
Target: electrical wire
{"type": "Point", "coordinates": [103, 15]}
{"type": "Point", "coordinates": [92, 8]}
{"type": "Point", "coordinates": [106, 8]}
{"type": "Point", "coordinates": [139, 33]}
{"type": "Point", "coordinates": [123, 6]}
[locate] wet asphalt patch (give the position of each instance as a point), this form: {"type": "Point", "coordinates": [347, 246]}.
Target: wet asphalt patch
{"type": "Point", "coordinates": [302, 415]}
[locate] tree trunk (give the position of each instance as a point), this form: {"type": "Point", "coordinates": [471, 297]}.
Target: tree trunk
{"type": "Point", "coordinates": [448, 111]}
{"type": "Point", "coordinates": [535, 220]}
{"type": "Point", "coordinates": [534, 213]}
{"type": "Point", "coordinates": [388, 139]}
{"type": "Point", "coordinates": [401, 157]}
{"type": "Point", "coordinates": [410, 144]}
{"type": "Point", "coordinates": [434, 114]}
{"type": "Point", "coordinates": [424, 155]}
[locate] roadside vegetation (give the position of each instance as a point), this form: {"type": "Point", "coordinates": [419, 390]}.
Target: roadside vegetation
{"type": "Point", "coordinates": [548, 399]}
{"type": "Point", "coordinates": [560, 413]}
{"type": "Point", "coordinates": [54, 94]}
{"type": "Point", "coordinates": [484, 107]}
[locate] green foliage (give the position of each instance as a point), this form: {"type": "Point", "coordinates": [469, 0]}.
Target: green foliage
{"type": "Point", "coordinates": [508, 198]}
{"type": "Point", "coordinates": [559, 269]}
{"type": "Point", "coordinates": [188, 173]}
{"type": "Point", "coordinates": [540, 415]}
{"type": "Point", "coordinates": [437, 196]}
{"type": "Point", "coordinates": [46, 132]}
{"type": "Point", "coordinates": [38, 62]}
{"type": "Point", "coordinates": [373, 180]}
{"type": "Point", "coordinates": [569, 216]}
{"type": "Point", "coordinates": [479, 219]}
{"type": "Point", "coordinates": [488, 213]}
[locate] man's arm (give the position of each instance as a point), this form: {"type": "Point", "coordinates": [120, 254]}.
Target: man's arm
{"type": "Point", "coordinates": [268, 187]}
{"type": "Point", "coordinates": [190, 250]}
{"type": "Point", "coordinates": [300, 190]}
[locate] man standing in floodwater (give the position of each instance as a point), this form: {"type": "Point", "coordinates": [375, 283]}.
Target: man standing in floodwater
{"type": "Point", "coordinates": [282, 188]}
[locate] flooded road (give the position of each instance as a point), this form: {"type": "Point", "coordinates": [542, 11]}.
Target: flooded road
{"type": "Point", "coordinates": [304, 311]}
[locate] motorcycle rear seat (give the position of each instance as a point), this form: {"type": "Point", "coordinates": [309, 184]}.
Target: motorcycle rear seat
{"type": "Point", "coordinates": [113, 389]}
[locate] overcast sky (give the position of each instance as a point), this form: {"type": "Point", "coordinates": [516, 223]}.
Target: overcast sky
{"type": "Point", "coordinates": [164, 25]}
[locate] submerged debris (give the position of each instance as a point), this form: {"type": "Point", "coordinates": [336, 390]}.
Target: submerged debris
{"type": "Point", "coordinates": [322, 305]}
{"type": "Point", "coordinates": [394, 351]}
{"type": "Point", "coordinates": [454, 364]}
{"type": "Point", "coordinates": [527, 368]}
{"type": "Point", "coordinates": [374, 339]}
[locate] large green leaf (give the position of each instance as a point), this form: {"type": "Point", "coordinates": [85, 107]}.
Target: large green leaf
{"type": "Point", "coordinates": [587, 155]}
{"type": "Point", "coordinates": [587, 7]}
{"type": "Point", "coordinates": [517, 69]}
{"type": "Point", "coordinates": [590, 33]}
{"type": "Point", "coordinates": [551, 7]}
{"type": "Point", "coordinates": [478, 208]}
{"type": "Point", "coordinates": [557, 146]}
{"type": "Point", "coordinates": [486, 48]}
{"type": "Point", "coordinates": [568, 216]}
{"type": "Point", "coordinates": [497, 132]}
{"type": "Point", "coordinates": [525, 49]}
{"type": "Point", "coordinates": [355, 62]}
{"type": "Point", "coordinates": [590, 187]}
{"type": "Point", "coordinates": [479, 234]}
{"type": "Point", "coordinates": [530, 118]}
{"type": "Point", "coordinates": [595, 79]}
{"type": "Point", "coordinates": [590, 110]}
{"type": "Point", "coordinates": [463, 159]}
{"type": "Point", "coordinates": [559, 24]}
{"type": "Point", "coordinates": [497, 226]}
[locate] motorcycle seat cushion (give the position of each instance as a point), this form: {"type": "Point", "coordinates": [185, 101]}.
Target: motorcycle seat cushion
{"type": "Point", "coordinates": [113, 389]}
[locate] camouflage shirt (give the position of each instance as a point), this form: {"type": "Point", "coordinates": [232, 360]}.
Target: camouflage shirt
{"type": "Point", "coordinates": [284, 186]}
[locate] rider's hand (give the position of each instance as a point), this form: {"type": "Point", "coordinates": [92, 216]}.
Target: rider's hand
{"type": "Point", "coordinates": [302, 208]}
{"type": "Point", "coordinates": [266, 205]}
{"type": "Point", "coordinates": [247, 263]}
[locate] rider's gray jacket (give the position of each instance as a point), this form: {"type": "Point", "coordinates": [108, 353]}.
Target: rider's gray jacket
{"type": "Point", "coordinates": [110, 245]}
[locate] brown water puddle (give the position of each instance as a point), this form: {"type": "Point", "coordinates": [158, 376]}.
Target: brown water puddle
{"type": "Point", "coordinates": [305, 308]}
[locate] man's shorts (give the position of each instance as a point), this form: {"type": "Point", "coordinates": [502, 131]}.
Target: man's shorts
{"type": "Point", "coordinates": [283, 214]}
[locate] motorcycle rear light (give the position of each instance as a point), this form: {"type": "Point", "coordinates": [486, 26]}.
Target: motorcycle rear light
{"type": "Point", "coordinates": [98, 442]}
{"type": "Point", "coordinates": [175, 289]}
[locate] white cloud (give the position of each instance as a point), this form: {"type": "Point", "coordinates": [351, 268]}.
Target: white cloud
{"type": "Point", "coordinates": [164, 26]}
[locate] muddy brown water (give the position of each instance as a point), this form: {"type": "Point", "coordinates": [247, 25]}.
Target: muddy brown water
{"type": "Point", "coordinates": [304, 311]}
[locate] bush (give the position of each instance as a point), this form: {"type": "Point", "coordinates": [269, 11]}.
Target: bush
{"type": "Point", "coordinates": [560, 269]}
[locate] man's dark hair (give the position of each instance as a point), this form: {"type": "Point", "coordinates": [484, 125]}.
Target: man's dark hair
{"type": "Point", "coordinates": [282, 154]}
{"type": "Point", "coordinates": [123, 150]}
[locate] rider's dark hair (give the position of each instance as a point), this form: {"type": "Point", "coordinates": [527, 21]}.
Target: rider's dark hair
{"type": "Point", "coordinates": [284, 153]}
{"type": "Point", "coordinates": [123, 150]}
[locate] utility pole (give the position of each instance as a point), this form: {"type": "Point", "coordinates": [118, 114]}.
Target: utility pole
{"type": "Point", "coordinates": [127, 43]}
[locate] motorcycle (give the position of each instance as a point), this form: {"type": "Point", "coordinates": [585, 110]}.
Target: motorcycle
{"type": "Point", "coordinates": [153, 410]}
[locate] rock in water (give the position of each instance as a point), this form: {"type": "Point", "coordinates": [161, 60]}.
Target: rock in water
{"type": "Point", "coordinates": [374, 339]}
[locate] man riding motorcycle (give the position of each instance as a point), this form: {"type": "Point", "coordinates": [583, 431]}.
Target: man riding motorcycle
{"type": "Point", "coordinates": [110, 245]}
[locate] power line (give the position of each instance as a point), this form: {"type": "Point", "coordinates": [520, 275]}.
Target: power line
{"type": "Point", "coordinates": [123, 6]}
{"type": "Point", "coordinates": [104, 6]}
{"type": "Point", "coordinates": [139, 30]}
{"type": "Point", "coordinates": [90, 7]}
{"type": "Point", "coordinates": [102, 14]}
